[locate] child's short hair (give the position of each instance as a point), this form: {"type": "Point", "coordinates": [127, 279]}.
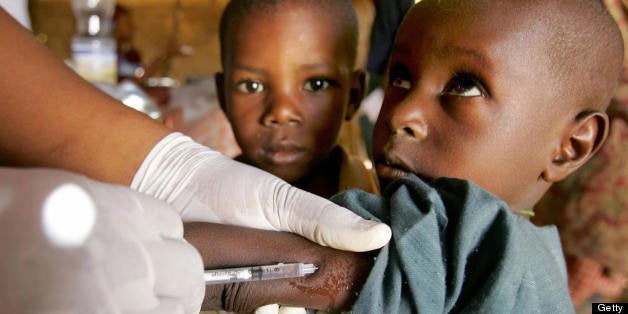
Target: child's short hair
{"type": "Point", "coordinates": [588, 33]}
{"type": "Point", "coordinates": [341, 10]}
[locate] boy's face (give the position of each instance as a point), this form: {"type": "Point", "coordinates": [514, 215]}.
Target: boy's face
{"type": "Point", "coordinates": [467, 97]}
{"type": "Point", "coordinates": [287, 84]}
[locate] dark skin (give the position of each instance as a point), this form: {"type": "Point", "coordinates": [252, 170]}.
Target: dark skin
{"type": "Point", "coordinates": [287, 95]}
{"type": "Point", "coordinates": [318, 181]}
{"type": "Point", "coordinates": [332, 287]}
{"type": "Point", "coordinates": [114, 139]}
{"type": "Point", "coordinates": [460, 102]}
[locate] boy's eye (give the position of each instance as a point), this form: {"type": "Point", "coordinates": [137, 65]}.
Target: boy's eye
{"type": "Point", "coordinates": [400, 83]}
{"type": "Point", "coordinates": [399, 77]}
{"type": "Point", "coordinates": [315, 85]}
{"type": "Point", "coordinates": [465, 85]}
{"type": "Point", "coordinates": [250, 87]}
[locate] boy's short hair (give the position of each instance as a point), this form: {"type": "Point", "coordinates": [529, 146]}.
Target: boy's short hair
{"type": "Point", "coordinates": [583, 31]}
{"type": "Point", "coordinates": [340, 11]}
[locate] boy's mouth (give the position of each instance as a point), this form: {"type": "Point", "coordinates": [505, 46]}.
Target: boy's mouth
{"type": "Point", "coordinates": [284, 157]}
{"type": "Point", "coordinates": [391, 168]}
{"type": "Point", "coordinates": [284, 153]}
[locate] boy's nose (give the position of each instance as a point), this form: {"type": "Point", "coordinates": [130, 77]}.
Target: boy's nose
{"type": "Point", "coordinates": [281, 112]}
{"type": "Point", "coordinates": [408, 119]}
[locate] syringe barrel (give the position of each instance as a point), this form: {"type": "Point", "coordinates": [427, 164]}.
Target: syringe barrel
{"type": "Point", "coordinates": [265, 272]}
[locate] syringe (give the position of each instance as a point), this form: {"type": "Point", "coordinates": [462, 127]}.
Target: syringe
{"type": "Point", "coordinates": [252, 273]}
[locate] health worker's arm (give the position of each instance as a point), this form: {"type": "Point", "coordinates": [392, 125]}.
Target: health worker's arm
{"type": "Point", "coordinates": [51, 117]}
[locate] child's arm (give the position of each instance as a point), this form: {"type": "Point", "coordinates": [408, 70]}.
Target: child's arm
{"type": "Point", "coordinates": [334, 286]}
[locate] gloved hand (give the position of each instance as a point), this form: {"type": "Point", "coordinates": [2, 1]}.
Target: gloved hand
{"type": "Point", "coordinates": [206, 186]}
{"type": "Point", "coordinates": [72, 245]}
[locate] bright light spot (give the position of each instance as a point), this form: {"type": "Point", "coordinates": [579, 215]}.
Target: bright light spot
{"type": "Point", "coordinates": [134, 101]}
{"type": "Point", "coordinates": [368, 164]}
{"type": "Point", "coordinates": [93, 25]}
{"type": "Point", "coordinates": [68, 216]}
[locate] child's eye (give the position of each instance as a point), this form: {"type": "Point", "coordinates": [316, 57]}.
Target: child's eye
{"type": "Point", "coordinates": [315, 85]}
{"type": "Point", "coordinates": [465, 85]}
{"type": "Point", "coordinates": [400, 83]}
{"type": "Point", "coordinates": [250, 87]}
{"type": "Point", "coordinates": [399, 78]}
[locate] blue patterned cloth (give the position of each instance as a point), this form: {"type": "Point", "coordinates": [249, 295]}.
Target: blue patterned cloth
{"type": "Point", "coordinates": [457, 248]}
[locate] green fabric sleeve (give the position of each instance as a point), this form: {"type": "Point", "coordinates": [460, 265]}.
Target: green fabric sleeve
{"type": "Point", "coordinates": [457, 248]}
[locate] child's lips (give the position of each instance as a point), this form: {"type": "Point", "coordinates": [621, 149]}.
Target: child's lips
{"type": "Point", "coordinates": [391, 166]}
{"type": "Point", "coordinates": [390, 171]}
{"type": "Point", "coordinates": [284, 157]}
{"type": "Point", "coordinates": [398, 159]}
{"type": "Point", "coordinates": [284, 153]}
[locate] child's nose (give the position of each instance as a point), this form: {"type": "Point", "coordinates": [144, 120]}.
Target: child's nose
{"type": "Point", "coordinates": [282, 111]}
{"type": "Point", "coordinates": [408, 119]}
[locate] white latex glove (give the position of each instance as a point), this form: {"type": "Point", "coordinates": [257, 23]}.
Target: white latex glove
{"type": "Point", "coordinates": [72, 245]}
{"type": "Point", "coordinates": [280, 309]}
{"type": "Point", "coordinates": [277, 309]}
{"type": "Point", "coordinates": [207, 186]}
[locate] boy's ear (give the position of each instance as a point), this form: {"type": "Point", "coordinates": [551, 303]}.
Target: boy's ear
{"type": "Point", "coordinates": [584, 138]}
{"type": "Point", "coordinates": [356, 93]}
{"type": "Point", "coordinates": [219, 79]}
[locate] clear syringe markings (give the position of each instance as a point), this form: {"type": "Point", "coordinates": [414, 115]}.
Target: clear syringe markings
{"type": "Point", "coordinates": [252, 273]}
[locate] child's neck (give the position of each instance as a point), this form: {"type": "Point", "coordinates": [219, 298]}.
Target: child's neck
{"type": "Point", "coordinates": [322, 180]}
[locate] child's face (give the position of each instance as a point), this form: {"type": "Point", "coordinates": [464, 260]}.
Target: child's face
{"type": "Point", "coordinates": [467, 98]}
{"type": "Point", "coordinates": [287, 84]}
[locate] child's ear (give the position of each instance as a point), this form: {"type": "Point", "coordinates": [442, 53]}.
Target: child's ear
{"type": "Point", "coordinates": [219, 79]}
{"type": "Point", "coordinates": [356, 93]}
{"type": "Point", "coordinates": [584, 138]}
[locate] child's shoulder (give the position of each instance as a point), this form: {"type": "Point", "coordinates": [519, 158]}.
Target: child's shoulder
{"type": "Point", "coordinates": [465, 245]}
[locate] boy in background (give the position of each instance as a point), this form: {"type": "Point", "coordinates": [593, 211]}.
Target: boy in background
{"type": "Point", "coordinates": [488, 103]}
{"type": "Point", "coordinates": [288, 85]}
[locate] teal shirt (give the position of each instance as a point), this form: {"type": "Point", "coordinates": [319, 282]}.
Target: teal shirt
{"type": "Point", "coordinates": [457, 248]}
